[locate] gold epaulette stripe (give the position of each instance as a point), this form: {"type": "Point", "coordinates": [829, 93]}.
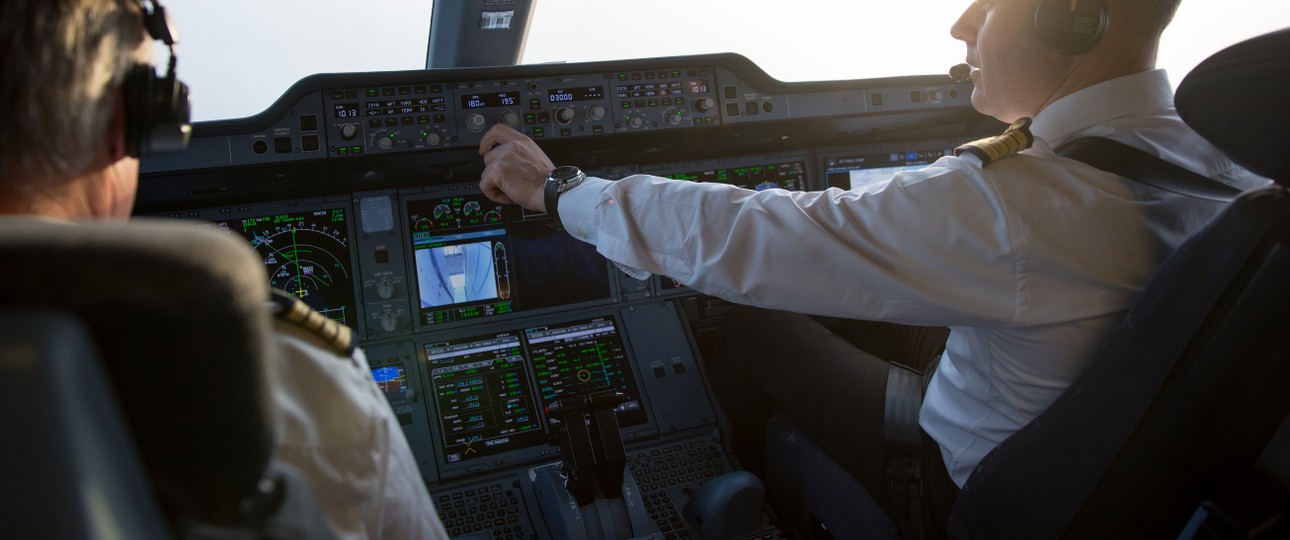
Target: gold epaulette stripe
{"type": "Point", "coordinates": [336, 335]}
{"type": "Point", "coordinates": [1014, 139]}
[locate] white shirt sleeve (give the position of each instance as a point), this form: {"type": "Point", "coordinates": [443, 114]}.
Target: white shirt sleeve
{"type": "Point", "coordinates": [876, 252]}
{"type": "Point", "coordinates": [333, 424]}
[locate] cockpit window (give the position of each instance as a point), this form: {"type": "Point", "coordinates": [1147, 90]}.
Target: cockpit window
{"type": "Point", "coordinates": [240, 55]}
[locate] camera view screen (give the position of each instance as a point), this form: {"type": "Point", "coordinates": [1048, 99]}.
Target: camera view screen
{"type": "Point", "coordinates": [483, 396]}
{"type": "Point", "coordinates": [583, 357]}
{"type": "Point", "coordinates": [306, 254]}
{"type": "Point", "coordinates": [475, 258]}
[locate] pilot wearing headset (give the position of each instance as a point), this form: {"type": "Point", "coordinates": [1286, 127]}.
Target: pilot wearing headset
{"type": "Point", "coordinates": [81, 103]}
{"type": "Point", "coordinates": [1027, 257]}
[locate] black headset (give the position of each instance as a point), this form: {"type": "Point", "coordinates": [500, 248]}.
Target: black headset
{"type": "Point", "coordinates": [157, 117]}
{"type": "Point", "coordinates": [1071, 26]}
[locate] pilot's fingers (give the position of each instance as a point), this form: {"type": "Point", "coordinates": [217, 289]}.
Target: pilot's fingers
{"type": "Point", "coordinates": [499, 134]}
{"type": "Point", "coordinates": [494, 192]}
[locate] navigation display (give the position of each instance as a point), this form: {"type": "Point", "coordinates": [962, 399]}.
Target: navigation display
{"type": "Point", "coordinates": [475, 259]}
{"type": "Point", "coordinates": [307, 254]}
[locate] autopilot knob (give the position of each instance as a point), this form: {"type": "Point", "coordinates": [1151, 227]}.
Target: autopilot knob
{"type": "Point", "coordinates": [475, 122]}
{"type": "Point", "coordinates": [596, 113]}
{"type": "Point", "coordinates": [564, 115]}
{"type": "Point", "coordinates": [704, 104]}
{"type": "Point", "coordinates": [510, 118]}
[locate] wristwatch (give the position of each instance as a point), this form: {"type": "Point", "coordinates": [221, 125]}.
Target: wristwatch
{"type": "Point", "coordinates": [560, 180]}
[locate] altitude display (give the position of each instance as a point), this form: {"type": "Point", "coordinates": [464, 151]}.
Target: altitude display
{"type": "Point", "coordinates": [583, 93]}
{"type": "Point", "coordinates": [306, 254]}
{"type": "Point", "coordinates": [483, 397]}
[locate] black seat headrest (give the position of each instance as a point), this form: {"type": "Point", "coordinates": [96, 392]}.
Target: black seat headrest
{"type": "Point", "coordinates": [177, 314]}
{"type": "Point", "coordinates": [1237, 99]}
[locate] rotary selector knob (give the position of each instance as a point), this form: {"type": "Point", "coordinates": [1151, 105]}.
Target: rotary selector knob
{"type": "Point", "coordinates": [510, 118]}
{"type": "Point", "coordinates": [564, 115]}
{"type": "Point", "coordinates": [385, 289]}
{"type": "Point", "coordinates": [704, 104]}
{"type": "Point", "coordinates": [389, 322]}
{"type": "Point", "coordinates": [596, 113]}
{"type": "Point", "coordinates": [385, 142]}
{"type": "Point", "coordinates": [635, 122]}
{"type": "Point", "coordinates": [434, 139]}
{"type": "Point", "coordinates": [348, 131]}
{"type": "Point", "coordinates": [674, 117]}
{"type": "Point", "coordinates": [475, 122]}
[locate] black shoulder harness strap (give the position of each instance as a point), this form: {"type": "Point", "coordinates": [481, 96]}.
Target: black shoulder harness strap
{"type": "Point", "coordinates": [1133, 164]}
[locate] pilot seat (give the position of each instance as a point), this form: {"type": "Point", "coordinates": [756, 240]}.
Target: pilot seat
{"type": "Point", "coordinates": [134, 386]}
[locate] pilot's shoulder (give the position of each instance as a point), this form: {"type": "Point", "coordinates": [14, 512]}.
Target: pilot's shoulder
{"type": "Point", "coordinates": [990, 149]}
{"type": "Point", "coordinates": [291, 310]}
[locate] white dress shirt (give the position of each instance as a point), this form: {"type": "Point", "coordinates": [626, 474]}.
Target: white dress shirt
{"type": "Point", "coordinates": [334, 425]}
{"type": "Point", "coordinates": [1029, 261]}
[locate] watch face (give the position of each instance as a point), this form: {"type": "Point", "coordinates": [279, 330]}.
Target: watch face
{"type": "Point", "coordinates": [565, 173]}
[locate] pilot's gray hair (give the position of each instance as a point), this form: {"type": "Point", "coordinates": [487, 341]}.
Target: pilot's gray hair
{"type": "Point", "coordinates": [63, 62]}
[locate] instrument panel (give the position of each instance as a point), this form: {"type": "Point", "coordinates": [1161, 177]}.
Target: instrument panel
{"type": "Point", "coordinates": [359, 192]}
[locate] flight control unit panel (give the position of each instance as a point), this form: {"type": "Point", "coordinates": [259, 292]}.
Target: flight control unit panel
{"type": "Point", "coordinates": [359, 194]}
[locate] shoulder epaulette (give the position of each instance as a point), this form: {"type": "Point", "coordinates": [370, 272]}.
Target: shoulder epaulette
{"type": "Point", "coordinates": [1014, 139]}
{"type": "Point", "coordinates": [289, 308]}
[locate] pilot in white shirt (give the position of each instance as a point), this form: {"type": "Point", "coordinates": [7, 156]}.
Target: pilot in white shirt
{"type": "Point", "coordinates": [984, 249]}
{"type": "Point", "coordinates": [333, 424]}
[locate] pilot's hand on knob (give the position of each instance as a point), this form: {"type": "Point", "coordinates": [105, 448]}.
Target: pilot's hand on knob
{"type": "Point", "coordinates": [515, 168]}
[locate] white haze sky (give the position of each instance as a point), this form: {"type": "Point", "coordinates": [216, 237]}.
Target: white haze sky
{"type": "Point", "coordinates": [238, 56]}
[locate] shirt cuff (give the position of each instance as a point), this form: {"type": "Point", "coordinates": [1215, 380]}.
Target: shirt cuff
{"type": "Point", "coordinates": [580, 212]}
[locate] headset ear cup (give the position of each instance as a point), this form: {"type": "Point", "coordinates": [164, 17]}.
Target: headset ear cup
{"type": "Point", "coordinates": [1071, 26]}
{"type": "Point", "coordinates": [140, 108]}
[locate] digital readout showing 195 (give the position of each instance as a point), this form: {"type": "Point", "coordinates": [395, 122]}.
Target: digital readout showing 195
{"type": "Point", "coordinates": [560, 95]}
{"type": "Point", "coordinates": [479, 101]}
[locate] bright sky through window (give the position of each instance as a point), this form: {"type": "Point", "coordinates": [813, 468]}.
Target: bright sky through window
{"type": "Point", "coordinates": [240, 55]}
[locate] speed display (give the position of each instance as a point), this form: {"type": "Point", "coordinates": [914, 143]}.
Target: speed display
{"type": "Point", "coordinates": [479, 101]}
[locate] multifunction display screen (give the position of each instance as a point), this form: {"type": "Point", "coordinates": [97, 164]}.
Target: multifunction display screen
{"type": "Point", "coordinates": [475, 258]}
{"type": "Point", "coordinates": [492, 391]}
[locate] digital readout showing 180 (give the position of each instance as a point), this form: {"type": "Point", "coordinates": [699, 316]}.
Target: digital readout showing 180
{"type": "Point", "coordinates": [478, 101]}
{"type": "Point", "coordinates": [559, 95]}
